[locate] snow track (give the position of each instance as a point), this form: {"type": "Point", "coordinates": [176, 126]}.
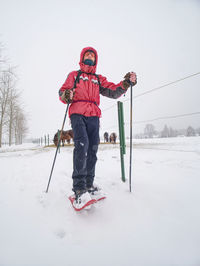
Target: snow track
{"type": "Point", "coordinates": [157, 224]}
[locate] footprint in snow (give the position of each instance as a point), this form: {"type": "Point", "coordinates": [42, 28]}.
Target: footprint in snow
{"type": "Point", "coordinates": [41, 200]}
{"type": "Point", "coordinates": [60, 233]}
{"type": "Point", "coordinates": [148, 162]}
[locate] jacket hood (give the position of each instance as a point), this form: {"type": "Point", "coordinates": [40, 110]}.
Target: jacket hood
{"type": "Point", "coordinates": [86, 68]}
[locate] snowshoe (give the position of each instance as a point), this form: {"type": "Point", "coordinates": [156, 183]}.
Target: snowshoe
{"type": "Point", "coordinates": [81, 199]}
{"type": "Point", "coordinates": [96, 193]}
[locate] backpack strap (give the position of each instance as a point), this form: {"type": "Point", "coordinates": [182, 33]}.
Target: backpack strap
{"type": "Point", "coordinates": [77, 78]}
{"type": "Point", "coordinates": [98, 80]}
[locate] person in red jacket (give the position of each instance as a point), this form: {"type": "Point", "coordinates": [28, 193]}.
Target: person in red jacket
{"type": "Point", "coordinates": [82, 90]}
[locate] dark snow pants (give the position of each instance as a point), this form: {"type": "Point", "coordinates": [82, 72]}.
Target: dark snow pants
{"type": "Point", "coordinates": [86, 141]}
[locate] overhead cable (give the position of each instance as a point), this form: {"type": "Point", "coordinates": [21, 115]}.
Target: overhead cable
{"type": "Point", "coordinates": [165, 85]}
{"type": "Point", "coordinates": [167, 117]}
{"type": "Point", "coordinates": [158, 118]}
{"type": "Point", "coordinates": [155, 89]}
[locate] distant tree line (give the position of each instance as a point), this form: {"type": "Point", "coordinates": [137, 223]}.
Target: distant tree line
{"type": "Point", "coordinates": [167, 132]}
{"type": "Point", "coordinates": [13, 123]}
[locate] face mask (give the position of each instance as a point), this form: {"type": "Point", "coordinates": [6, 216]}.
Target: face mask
{"type": "Point", "coordinates": [88, 62]}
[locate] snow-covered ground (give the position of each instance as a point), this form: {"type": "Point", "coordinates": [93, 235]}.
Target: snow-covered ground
{"type": "Point", "coordinates": [157, 224]}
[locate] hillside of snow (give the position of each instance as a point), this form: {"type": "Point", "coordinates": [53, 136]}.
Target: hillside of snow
{"type": "Point", "coordinates": [157, 224]}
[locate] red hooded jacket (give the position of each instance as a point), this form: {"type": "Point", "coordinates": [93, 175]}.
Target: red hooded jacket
{"type": "Point", "coordinates": [87, 91]}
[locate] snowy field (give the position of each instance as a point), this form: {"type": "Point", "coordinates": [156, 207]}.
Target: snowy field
{"type": "Point", "coordinates": [158, 224]}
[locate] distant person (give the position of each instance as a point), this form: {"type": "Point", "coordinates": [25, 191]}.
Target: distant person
{"type": "Point", "coordinates": [82, 89]}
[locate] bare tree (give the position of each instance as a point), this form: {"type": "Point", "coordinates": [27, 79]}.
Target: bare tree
{"type": "Point", "coordinates": [190, 131]}
{"type": "Point", "coordinates": [4, 93]}
{"type": "Point", "coordinates": [13, 104]}
{"type": "Point", "coordinates": [4, 96]}
{"type": "Point", "coordinates": [149, 130]}
{"type": "Point", "coordinates": [12, 116]}
{"type": "Point", "coordinates": [165, 132]}
{"type": "Point", "coordinates": [2, 59]}
{"type": "Point", "coordinates": [20, 125]}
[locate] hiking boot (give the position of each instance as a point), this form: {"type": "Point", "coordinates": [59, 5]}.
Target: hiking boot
{"type": "Point", "coordinates": [96, 193]}
{"type": "Point", "coordinates": [81, 198]}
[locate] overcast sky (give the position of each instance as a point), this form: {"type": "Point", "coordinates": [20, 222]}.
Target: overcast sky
{"type": "Point", "coordinates": [159, 40]}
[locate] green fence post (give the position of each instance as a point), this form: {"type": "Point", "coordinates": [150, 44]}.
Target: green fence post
{"type": "Point", "coordinates": [122, 129]}
{"type": "Point", "coordinates": [121, 137]}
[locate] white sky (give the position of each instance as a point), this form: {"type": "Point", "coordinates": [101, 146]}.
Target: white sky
{"type": "Point", "coordinates": [159, 40]}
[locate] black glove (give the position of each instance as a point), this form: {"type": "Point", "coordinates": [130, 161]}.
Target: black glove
{"type": "Point", "coordinates": [66, 96]}
{"type": "Point", "coordinates": [126, 82]}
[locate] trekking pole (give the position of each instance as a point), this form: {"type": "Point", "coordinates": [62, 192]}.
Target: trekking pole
{"type": "Point", "coordinates": [131, 119]}
{"type": "Point", "coordinates": [57, 147]}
